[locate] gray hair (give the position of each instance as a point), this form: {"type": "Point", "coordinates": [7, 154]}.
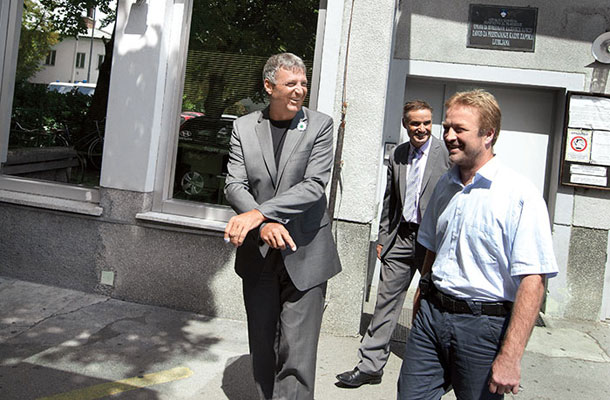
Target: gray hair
{"type": "Point", "coordinates": [283, 60]}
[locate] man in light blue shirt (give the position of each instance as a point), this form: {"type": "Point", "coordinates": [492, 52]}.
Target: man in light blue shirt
{"type": "Point", "coordinates": [489, 249]}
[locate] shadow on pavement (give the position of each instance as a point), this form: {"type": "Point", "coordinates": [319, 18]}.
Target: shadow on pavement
{"type": "Point", "coordinates": [84, 340]}
{"type": "Point", "coordinates": [237, 380]}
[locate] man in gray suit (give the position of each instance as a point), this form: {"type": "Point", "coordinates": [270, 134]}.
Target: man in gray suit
{"type": "Point", "coordinates": [279, 165]}
{"type": "Point", "coordinates": [413, 170]}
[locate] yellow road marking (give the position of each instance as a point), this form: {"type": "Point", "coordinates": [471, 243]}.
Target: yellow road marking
{"type": "Point", "coordinates": [124, 385]}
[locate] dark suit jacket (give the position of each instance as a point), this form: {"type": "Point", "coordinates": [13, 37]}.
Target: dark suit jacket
{"type": "Point", "coordinates": [292, 193]}
{"type": "Point", "coordinates": [394, 197]}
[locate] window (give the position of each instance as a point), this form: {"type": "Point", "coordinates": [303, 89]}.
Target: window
{"type": "Point", "coordinates": [228, 46]}
{"type": "Point", "coordinates": [54, 133]}
{"type": "Point", "coordinates": [50, 60]}
{"type": "Point", "coordinates": [100, 60]}
{"type": "Point", "coordinates": [80, 60]}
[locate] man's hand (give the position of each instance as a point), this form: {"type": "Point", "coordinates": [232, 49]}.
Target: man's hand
{"type": "Point", "coordinates": [505, 375]}
{"type": "Point", "coordinates": [506, 368]}
{"type": "Point", "coordinates": [379, 248]}
{"type": "Point", "coordinates": [239, 226]}
{"type": "Point", "coordinates": [277, 236]}
{"type": "Point", "coordinates": [425, 269]}
{"type": "Point", "coordinates": [416, 304]}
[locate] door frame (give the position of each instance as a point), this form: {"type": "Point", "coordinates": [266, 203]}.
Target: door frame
{"type": "Point", "coordinates": [561, 218]}
{"type": "Point", "coordinates": [400, 70]}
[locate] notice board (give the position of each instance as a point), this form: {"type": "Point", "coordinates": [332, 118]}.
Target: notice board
{"type": "Point", "coordinates": [586, 141]}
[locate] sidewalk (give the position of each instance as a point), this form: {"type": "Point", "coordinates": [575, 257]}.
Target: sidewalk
{"type": "Point", "coordinates": [63, 344]}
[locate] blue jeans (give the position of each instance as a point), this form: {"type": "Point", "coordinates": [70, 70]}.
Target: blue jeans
{"type": "Point", "coordinates": [445, 350]}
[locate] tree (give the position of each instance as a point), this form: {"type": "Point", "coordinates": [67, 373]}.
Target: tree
{"type": "Point", "coordinates": [255, 27]}
{"type": "Point", "coordinates": [231, 40]}
{"type": "Point", "coordinates": [229, 43]}
{"type": "Point", "coordinates": [67, 17]}
{"type": "Point", "coordinates": [38, 35]}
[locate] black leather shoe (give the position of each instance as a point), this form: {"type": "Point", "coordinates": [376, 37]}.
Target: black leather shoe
{"type": "Point", "coordinates": [355, 378]}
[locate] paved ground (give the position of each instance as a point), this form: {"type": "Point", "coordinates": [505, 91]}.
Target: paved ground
{"type": "Point", "coordinates": [63, 344]}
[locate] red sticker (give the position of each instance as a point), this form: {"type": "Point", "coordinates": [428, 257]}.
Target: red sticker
{"type": "Point", "coordinates": [578, 143]}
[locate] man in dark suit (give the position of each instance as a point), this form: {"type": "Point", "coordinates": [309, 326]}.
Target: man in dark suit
{"type": "Point", "coordinates": [413, 170]}
{"type": "Point", "coordinates": [279, 165]}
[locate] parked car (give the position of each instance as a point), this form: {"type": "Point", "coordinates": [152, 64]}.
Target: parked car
{"type": "Point", "coordinates": [60, 87]}
{"type": "Point", "coordinates": [85, 88]}
{"type": "Point", "coordinates": [69, 87]}
{"type": "Point", "coordinates": [203, 152]}
{"type": "Point", "coordinates": [186, 115]}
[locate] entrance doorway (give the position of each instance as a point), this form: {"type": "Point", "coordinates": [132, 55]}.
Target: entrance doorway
{"type": "Point", "coordinates": [528, 115]}
{"type": "Point", "coordinates": [525, 143]}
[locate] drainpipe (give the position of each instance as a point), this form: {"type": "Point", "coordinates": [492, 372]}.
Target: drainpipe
{"type": "Point", "coordinates": [91, 47]}
{"type": "Point", "coordinates": [74, 58]}
{"type": "Point", "coordinates": [338, 163]}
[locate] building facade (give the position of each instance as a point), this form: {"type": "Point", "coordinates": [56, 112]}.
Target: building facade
{"type": "Point", "coordinates": [74, 59]}
{"type": "Point", "coordinates": [134, 237]}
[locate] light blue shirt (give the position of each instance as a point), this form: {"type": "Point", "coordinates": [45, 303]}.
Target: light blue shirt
{"type": "Point", "coordinates": [487, 234]}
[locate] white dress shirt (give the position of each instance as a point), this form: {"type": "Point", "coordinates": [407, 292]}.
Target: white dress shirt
{"type": "Point", "coordinates": [414, 215]}
{"type": "Point", "coordinates": [487, 234]}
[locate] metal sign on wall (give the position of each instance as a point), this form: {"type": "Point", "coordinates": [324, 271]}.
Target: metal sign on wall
{"type": "Point", "coordinates": [502, 28]}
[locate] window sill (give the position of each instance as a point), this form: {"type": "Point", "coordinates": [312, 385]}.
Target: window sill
{"type": "Point", "coordinates": [51, 203]}
{"type": "Point", "coordinates": [183, 221]}
{"type": "Point", "coordinates": [50, 195]}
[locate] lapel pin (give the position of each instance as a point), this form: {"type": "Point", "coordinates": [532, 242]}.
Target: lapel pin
{"type": "Point", "coordinates": [302, 125]}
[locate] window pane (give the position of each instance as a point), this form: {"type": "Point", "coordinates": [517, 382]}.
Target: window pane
{"type": "Point", "coordinates": [50, 60]}
{"type": "Point", "coordinates": [228, 46]}
{"type": "Point", "coordinates": [80, 60]}
{"type": "Point", "coordinates": [57, 120]}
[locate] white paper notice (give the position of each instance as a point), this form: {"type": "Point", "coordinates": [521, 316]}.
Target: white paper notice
{"type": "Point", "coordinates": [578, 145]}
{"type": "Point", "coordinates": [600, 148]}
{"type": "Point", "coordinates": [587, 170]}
{"type": "Point", "coordinates": [589, 112]}
{"type": "Point", "coordinates": [589, 180]}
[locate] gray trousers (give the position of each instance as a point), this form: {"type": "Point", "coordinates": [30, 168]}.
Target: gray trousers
{"type": "Point", "coordinates": [397, 269]}
{"type": "Point", "coordinates": [283, 332]}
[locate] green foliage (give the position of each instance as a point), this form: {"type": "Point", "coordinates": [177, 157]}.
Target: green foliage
{"type": "Point", "coordinates": [189, 105]}
{"type": "Point", "coordinates": [230, 42]}
{"type": "Point", "coordinates": [43, 119]}
{"type": "Point", "coordinates": [38, 35]}
{"type": "Point", "coordinates": [66, 15]}
{"type": "Point", "coordinates": [35, 109]}
{"type": "Point", "coordinates": [255, 27]}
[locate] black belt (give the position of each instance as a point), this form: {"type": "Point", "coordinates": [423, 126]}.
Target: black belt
{"type": "Point", "coordinates": [455, 306]}
{"type": "Point", "coordinates": [408, 227]}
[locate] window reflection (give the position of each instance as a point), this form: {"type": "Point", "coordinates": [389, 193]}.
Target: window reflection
{"type": "Point", "coordinates": [229, 44]}
{"type": "Point", "coordinates": [59, 102]}
{"type": "Point", "coordinates": [203, 144]}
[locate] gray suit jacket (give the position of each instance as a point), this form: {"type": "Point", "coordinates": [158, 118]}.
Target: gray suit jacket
{"type": "Point", "coordinates": [394, 197]}
{"type": "Point", "coordinates": [292, 193]}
